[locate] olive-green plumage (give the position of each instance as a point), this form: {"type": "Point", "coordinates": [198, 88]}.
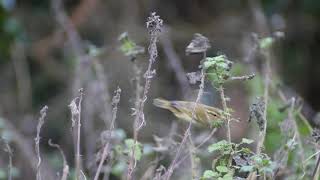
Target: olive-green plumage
{"type": "Point", "coordinates": [204, 115]}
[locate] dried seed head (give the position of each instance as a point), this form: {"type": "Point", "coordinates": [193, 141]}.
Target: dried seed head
{"type": "Point", "coordinates": [194, 77]}
{"type": "Point", "coordinates": [199, 44]}
{"type": "Point", "coordinates": [316, 135]}
{"type": "Point", "coordinates": [154, 24]}
{"type": "Point", "coordinates": [116, 97]}
{"type": "Point", "coordinates": [257, 111]}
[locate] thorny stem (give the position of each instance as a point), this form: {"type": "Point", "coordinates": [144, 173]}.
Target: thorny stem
{"type": "Point", "coordinates": [115, 102]}
{"type": "Point", "coordinates": [173, 164]}
{"type": "Point", "coordinates": [43, 113]}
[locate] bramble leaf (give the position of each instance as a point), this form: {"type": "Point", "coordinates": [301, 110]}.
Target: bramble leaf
{"type": "Point", "coordinates": [247, 141]}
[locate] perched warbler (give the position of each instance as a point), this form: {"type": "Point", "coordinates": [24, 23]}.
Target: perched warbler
{"type": "Point", "coordinates": [204, 115]}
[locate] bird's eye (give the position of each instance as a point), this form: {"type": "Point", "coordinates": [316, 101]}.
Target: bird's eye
{"type": "Point", "coordinates": [213, 114]}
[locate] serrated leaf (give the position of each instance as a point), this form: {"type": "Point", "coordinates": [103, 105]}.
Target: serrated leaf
{"type": "Point", "coordinates": [222, 169]}
{"type": "Point", "coordinates": [247, 141]}
{"type": "Point", "coordinates": [210, 174]}
{"type": "Point", "coordinates": [246, 150]}
{"type": "Point", "coordinates": [227, 177]}
{"type": "Point", "coordinates": [128, 47]}
{"type": "Point", "coordinates": [246, 168]}
{"type": "Point", "coordinates": [217, 146]}
{"type": "Point", "coordinates": [136, 146]}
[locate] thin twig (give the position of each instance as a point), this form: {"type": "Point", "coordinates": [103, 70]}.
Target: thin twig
{"type": "Point", "coordinates": [27, 150]}
{"type": "Point", "coordinates": [43, 113]}
{"type": "Point", "coordinates": [115, 102]}
{"type": "Point", "coordinates": [65, 170]}
{"type": "Point", "coordinates": [242, 78]}
{"type": "Point", "coordinates": [198, 146]}
{"type": "Point", "coordinates": [173, 164]}
{"type": "Point", "coordinates": [315, 174]}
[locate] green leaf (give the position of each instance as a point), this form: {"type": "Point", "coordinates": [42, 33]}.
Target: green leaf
{"type": "Point", "coordinates": [257, 159]}
{"type": "Point", "coordinates": [217, 123]}
{"type": "Point", "coordinates": [217, 69]}
{"type": "Point", "coordinates": [222, 169]}
{"type": "Point", "coordinates": [247, 141]}
{"type": "Point", "coordinates": [119, 168]}
{"type": "Point", "coordinates": [227, 177]}
{"type": "Point", "coordinates": [247, 168]}
{"type": "Point", "coordinates": [130, 143]}
{"type": "Point", "coordinates": [218, 146]}
{"type": "Point", "coordinates": [245, 150]}
{"type": "Point", "coordinates": [209, 174]}
{"type": "Point", "coordinates": [128, 47]}
{"type": "Point", "coordinates": [265, 162]}
{"type": "Point", "coordinates": [266, 43]}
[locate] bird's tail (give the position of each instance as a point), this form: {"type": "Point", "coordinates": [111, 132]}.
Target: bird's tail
{"type": "Point", "coordinates": [161, 103]}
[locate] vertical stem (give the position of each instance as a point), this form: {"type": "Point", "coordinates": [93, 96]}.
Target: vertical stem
{"type": "Point", "coordinates": [267, 70]}
{"type": "Point", "coordinates": [78, 160]}
{"type": "Point", "coordinates": [43, 113]}
{"type": "Point", "coordinates": [315, 174]}
{"type": "Point", "coordinates": [187, 132]}
{"type": "Point", "coordinates": [225, 109]}
{"type": "Point", "coordinates": [8, 148]}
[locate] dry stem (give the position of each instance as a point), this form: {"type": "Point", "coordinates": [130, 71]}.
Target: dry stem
{"type": "Point", "coordinates": [78, 160]}
{"type": "Point", "coordinates": [225, 109]}
{"type": "Point", "coordinates": [43, 113]}
{"type": "Point", "coordinates": [154, 25]}
{"type": "Point", "coordinates": [115, 101]}
{"type": "Point", "coordinates": [65, 170]}
{"type": "Point", "coordinates": [10, 153]}
{"type": "Point", "coordinates": [76, 120]}
{"type": "Point", "coordinates": [173, 164]}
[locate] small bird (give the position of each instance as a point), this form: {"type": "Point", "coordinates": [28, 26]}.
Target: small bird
{"type": "Point", "coordinates": [204, 115]}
